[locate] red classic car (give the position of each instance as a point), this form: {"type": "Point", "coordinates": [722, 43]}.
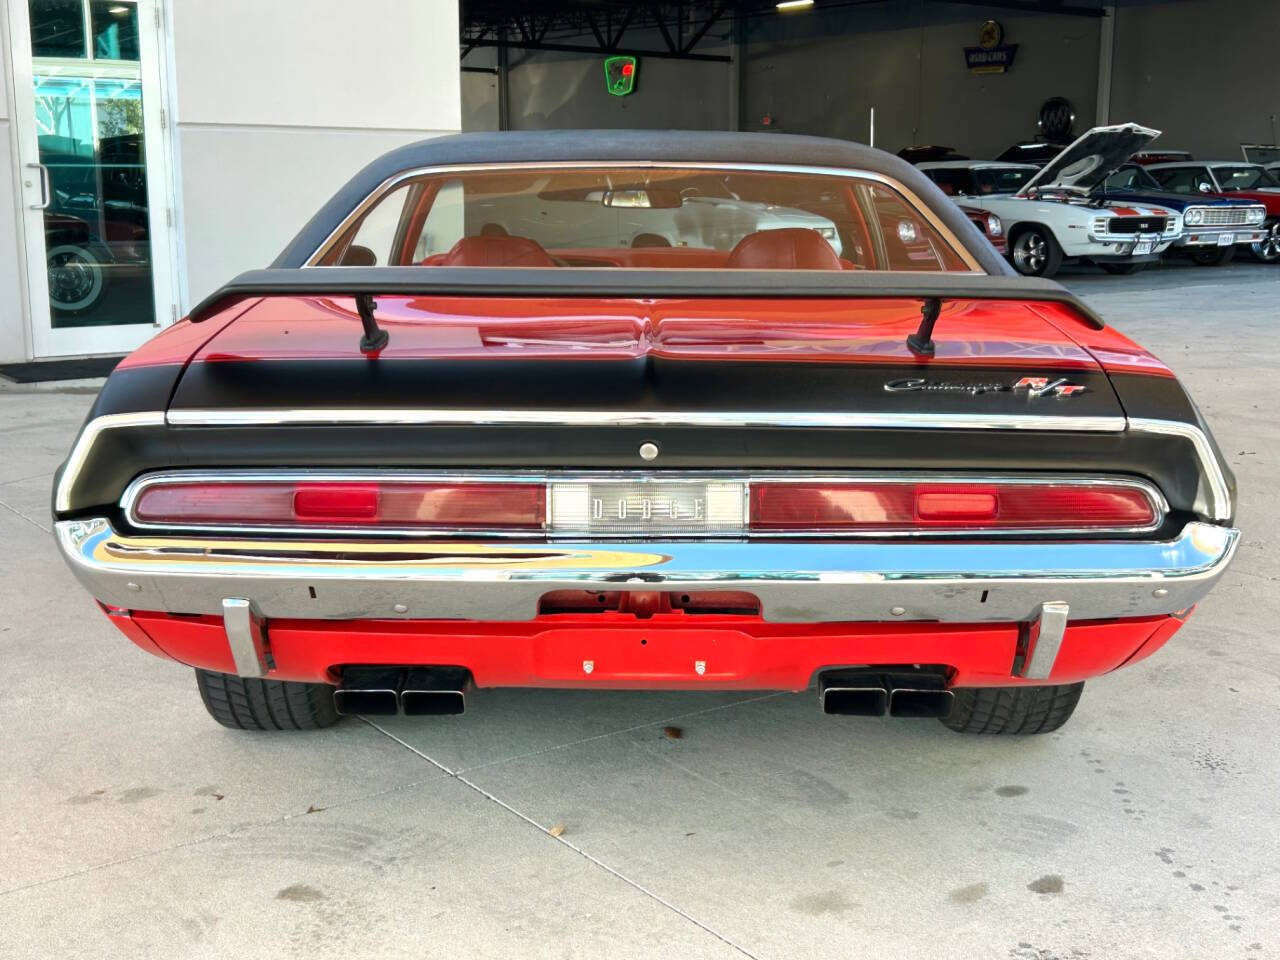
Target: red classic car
{"type": "Point", "coordinates": [990, 226]}
{"type": "Point", "coordinates": [1234, 180]}
{"type": "Point", "coordinates": [467, 432]}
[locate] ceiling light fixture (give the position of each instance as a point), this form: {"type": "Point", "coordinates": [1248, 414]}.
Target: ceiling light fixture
{"type": "Point", "coordinates": [788, 5]}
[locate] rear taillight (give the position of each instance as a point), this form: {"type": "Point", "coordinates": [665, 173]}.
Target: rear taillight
{"type": "Point", "coordinates": [652, 506]}
{"type": "Point", "coordinates": [400, 505]}
{"type": "Point", "coordinates": [879, 505]}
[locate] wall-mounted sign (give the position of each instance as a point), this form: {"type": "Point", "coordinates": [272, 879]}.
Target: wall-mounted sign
{"type": "Point", "coordinates": [992, 54]}
{"type": "Point", "coordinates": [620, 75]}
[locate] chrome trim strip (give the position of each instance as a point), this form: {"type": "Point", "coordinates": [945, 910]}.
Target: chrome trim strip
{"type": "Point", "coordinates": [810, 582]}
{"type": "Point", "coordinates": [626, 418]}
{"type": "Point", "coordinates": [85, 441]}
{"type": "Point", "coordinates": [912, 198]}
{"type": "Point", "coordinates": [1220, 493]}
{"type": "Point", "coordinates": [1050, 626]}
{"type": "Point", "coordinates": [128, 502]}
{"type": "Point", "coordinates": [246, 636]}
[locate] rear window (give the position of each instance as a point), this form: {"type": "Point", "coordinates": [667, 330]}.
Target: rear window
{"type": "Point", "coordinates": [645, 217]}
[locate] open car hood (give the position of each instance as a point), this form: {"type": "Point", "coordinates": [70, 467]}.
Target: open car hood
{"type": "Point", "coordinates": [1091, 159]}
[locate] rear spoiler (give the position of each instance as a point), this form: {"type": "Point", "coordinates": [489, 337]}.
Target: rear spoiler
{"type": "Point", "coordinates": [363, 282]}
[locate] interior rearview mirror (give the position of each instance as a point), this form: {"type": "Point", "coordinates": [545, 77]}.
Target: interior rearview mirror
{"type": "Point", "coordinates": [652, 198]}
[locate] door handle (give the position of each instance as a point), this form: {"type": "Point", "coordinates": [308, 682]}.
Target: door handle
{"type": "Point", "coordinates": [46, 193]}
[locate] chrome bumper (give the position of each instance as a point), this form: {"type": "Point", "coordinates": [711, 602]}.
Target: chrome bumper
{"type": "Point", "coordinates": [794, 582]}
{"type": "Point", "coordinates": [1208, 236]}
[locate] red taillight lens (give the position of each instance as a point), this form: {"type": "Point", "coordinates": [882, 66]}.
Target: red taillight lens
{"type": "Point", "coordinates": [409, 505]}
{"type": "Point", "coordinates": [872, 506]}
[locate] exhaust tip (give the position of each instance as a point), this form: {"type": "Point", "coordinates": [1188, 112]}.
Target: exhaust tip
{"type": "Point", "coordinates": [908, 702]}
{"type": "Point", "coordinates": [432, 703]}
{"type": "Point", "coordinates": [855, 701]}
{"type": "Point", "coordinates": [371, 691]}
{"type": "Point", "coordinates": [434, 691]}
{"type": "Point", "coordinates": [370, 703]}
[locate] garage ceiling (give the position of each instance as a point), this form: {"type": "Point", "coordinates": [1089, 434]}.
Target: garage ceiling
{"type": "Point", "coordinates": [611, 26]}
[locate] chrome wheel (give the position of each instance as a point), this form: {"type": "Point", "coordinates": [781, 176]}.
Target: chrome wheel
{"type": "Point", "coordinates": [76, 278]}
{"type": "Point", "coordinates": [1268, 248]}
{"type": "Point", "coordinates": [1030, 253]}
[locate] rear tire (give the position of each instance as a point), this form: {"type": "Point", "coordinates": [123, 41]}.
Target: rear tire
{"type": "Point", "coordinates": [1123, 269]}
{"type": "Point", "coordinates": [1016, 710]}
{"type": "Point", "coordinates": [1213, 256]}
{"type": "Point", "coordinates": [244, 703]}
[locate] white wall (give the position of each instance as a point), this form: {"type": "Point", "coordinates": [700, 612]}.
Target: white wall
{"type": "Point", "coordinates": [13, 334]}
{"type": "Point", "coordinates": [277, 104]}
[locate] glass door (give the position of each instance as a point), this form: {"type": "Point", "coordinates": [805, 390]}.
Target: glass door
{"type": "Point", "coordinates": [94, 173]}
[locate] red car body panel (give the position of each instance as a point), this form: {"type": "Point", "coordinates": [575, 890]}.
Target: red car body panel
{"type": "Point", "coordinates": [658, 652]}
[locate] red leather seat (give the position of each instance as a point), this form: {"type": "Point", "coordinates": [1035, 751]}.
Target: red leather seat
{"type": "Point", "coordinates": [497, 251]}
{"type": "Point", "coordinates": [791, 248]}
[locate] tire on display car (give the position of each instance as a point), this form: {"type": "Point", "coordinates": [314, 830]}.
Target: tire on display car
{"type": "Point", "coordinates": [1124, 269]}
{"type": "Point", "coordinates": [245, 703]}
{"type": "Point", "coordinates": [1034, 252]}
{"type": "Point", "coordinates": [1268, 249]}
{"type": "Point", "coordinates": [77, 279]}
{"type": "Point", "coordinates": [1012, 710]}
{"type": "Point", "coordinates": [1212, 256]}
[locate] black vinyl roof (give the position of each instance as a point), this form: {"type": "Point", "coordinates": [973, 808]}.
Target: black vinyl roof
{"type": "Point", "coordinates": [553, 146]}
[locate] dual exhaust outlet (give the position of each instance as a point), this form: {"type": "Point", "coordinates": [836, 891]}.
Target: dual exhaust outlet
{"type": "Point", "coordinates": [413, 691]}
{"type": "Point", "coordinates": [873, 693]}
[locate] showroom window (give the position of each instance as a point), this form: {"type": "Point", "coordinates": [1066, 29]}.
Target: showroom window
{"type": "Point", "coordinates": [84, 29]}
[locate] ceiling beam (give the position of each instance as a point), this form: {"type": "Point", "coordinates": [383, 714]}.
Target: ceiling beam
{"type": "Point", "coordinates": [1032, 6]}
{"type": "Point", "coordinates": [585, 48]}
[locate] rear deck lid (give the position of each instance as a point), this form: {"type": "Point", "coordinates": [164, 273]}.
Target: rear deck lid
{"type": "Point", "coordinates": [810, 361]}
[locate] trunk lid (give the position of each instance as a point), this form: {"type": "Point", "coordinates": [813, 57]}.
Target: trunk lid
{"type": "Point", "coordinates": [645, 359]}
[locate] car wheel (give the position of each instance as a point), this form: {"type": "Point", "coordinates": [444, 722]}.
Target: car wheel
{"type": "Point", "coordinates": [1268, 248]}
{"type": "Point", "coordinates": [1014, 710]}
{"type": "Point", "coordinates": [1213, 256]}
{"type": "Point", "coordinates": [77, 280]}
{"type": "Point", "coordinates": [1123, 269]}
{"type": "Point", "coordinates": [244, 703]}
{"type": "Point", "coordinates": [1035, 253]}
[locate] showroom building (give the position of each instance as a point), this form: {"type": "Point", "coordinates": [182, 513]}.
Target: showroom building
{"type": "Point", "coordinates": [157, 147]}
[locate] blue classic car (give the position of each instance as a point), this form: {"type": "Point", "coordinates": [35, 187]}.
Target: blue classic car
{"type": "Point", "coordinates": [1212, 227]}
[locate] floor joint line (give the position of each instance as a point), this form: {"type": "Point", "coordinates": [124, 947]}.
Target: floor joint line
{"type": "Point", "coordinates": [590, 858]}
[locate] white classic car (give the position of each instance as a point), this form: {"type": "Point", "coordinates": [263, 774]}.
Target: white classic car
{"type": "Point", "coordinates": [703, 213]}
{"type": "Point", "coordinates": [1048, 214]}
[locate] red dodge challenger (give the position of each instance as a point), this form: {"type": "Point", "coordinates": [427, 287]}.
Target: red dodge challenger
{"type": "Point", "coordinates": [644, 410]}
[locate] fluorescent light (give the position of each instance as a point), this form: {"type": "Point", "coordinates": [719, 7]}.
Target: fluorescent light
{"type": "Point", "coordinates": [793, 4]}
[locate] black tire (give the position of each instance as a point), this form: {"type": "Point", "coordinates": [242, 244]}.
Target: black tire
{"type": "Point", "coordinates": [1123, 269]}
{"type": "Point", "coordinates": [1018, 710]}
{"type": "Point", "coordinates": [1213, 256]}
{"type": "Point", "coordinates": [248, 704]}
{"type": "Point", "coordinates": [1034, 252]}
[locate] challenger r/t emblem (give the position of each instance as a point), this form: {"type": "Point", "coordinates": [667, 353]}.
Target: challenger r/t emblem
{"type": "Point", "coordinates": [1035, 386]}
{"type": "Point", "coordinates": [1044, 387]}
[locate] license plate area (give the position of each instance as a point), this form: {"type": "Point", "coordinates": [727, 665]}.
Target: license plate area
{"type": "Point", "coordinates": [1226, 239]}
{"type": "Point", "coordinates": [647, 507]}
{"type": "Point", "coordinates": [1141, 248]}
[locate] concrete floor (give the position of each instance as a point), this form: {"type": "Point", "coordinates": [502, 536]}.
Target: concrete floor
{"type": "Point", "coordinates": [133, 826]}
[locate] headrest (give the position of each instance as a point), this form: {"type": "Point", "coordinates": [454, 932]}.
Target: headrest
{"type": "Point", "coordinates": [497, 252]}
{"type": "Point", "coordinates": [790, 248]}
